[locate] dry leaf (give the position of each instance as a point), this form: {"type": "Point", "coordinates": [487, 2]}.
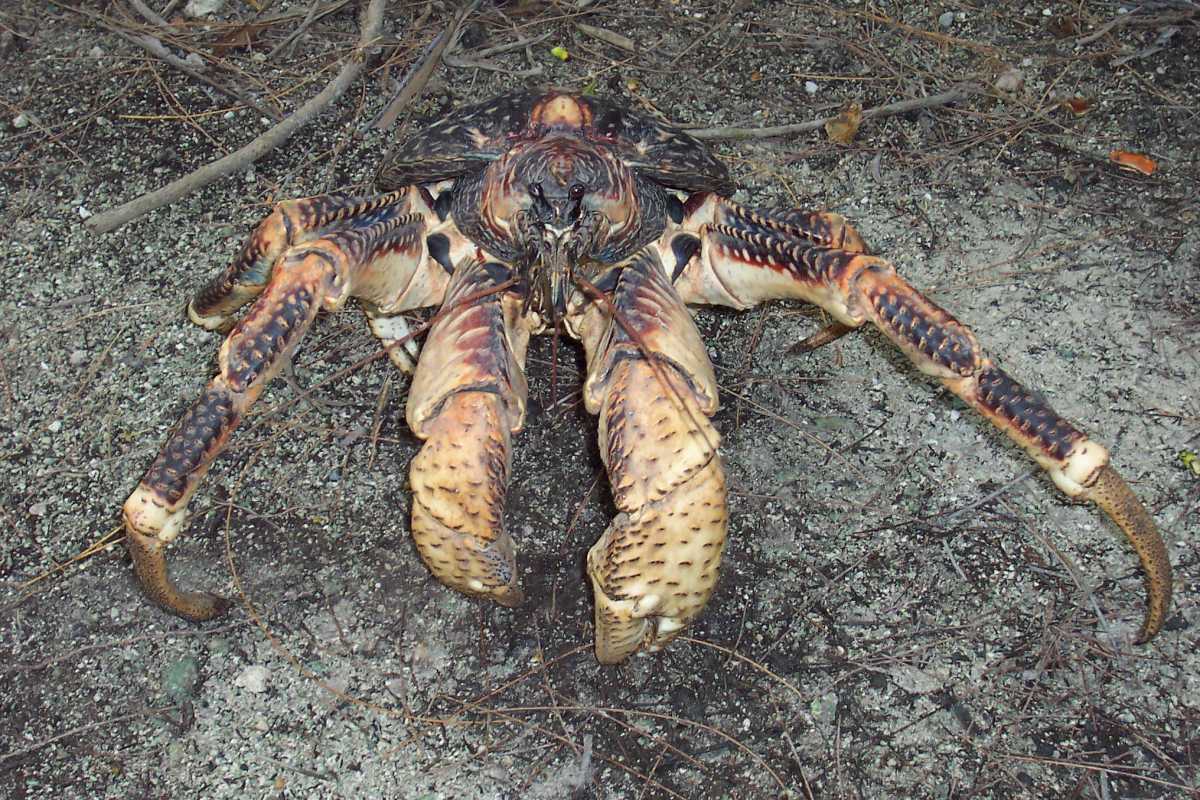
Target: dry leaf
{"type": "Point", "coordinates": [241, 37]}
{"type": "Point", "coordinates": [1063, 27]}
{"type": "Point", "coordinates": [1077, 105]}
{"type": "Point", "coordinates": [844, 126]}
{"type": "Point", "coordinates": [1134, 162]}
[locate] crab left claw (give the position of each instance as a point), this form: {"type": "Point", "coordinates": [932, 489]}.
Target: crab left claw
{"type": "Point", "coordinates": [467, 400]}
{"type": "Point", "coordinates": [653, 387]}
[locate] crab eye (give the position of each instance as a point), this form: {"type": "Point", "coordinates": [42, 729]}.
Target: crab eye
{"type": "Point", "coordinates": [577, 191]}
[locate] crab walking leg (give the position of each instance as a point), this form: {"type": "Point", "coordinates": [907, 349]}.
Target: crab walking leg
{"type": "Point", "coordinates": [315, 274]}
{"type": "Point", "coordinates": [735, 260]}
{"type": "Point", "coordinates": [467, 399]}
{"type": "Point", "coordinates": [650, 381]}
{"type": "Point", "coordinates": [290, 223]}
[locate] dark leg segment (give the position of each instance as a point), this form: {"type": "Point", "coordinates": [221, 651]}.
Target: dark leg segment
{"type": "Point", "coordinates": [254, 352]}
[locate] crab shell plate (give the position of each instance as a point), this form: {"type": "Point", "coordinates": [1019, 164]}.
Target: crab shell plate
{"type": "Point", "coordinates": [468, 139]}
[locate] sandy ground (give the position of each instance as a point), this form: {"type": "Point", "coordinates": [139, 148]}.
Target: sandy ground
{"type": "Point", "coordinates": [906, 608]}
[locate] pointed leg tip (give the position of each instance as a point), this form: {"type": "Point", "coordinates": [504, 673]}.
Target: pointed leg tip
{"type": "Point", "coordinates": [150, 566]}
{"type": "Point", "coordinates": [200, 606]}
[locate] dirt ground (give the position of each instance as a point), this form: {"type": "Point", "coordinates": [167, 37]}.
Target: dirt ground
{"type": "Point", "coordinates": [907, 607]}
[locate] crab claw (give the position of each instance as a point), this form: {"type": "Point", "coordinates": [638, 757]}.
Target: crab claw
{"type": "Point", "coordinates": [656, 566]}
{"type": "Point", "coordinates": [467, 400]}
{"type": "Point", "coordinates": [459, 480]}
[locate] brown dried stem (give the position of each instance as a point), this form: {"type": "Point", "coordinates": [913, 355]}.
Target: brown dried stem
{"type": "Point", "coordinates": [419, 74]}
{"type": "Point", "coordinates": [900, 107]}
{"type": "Point", "coordinates": [239, 159]}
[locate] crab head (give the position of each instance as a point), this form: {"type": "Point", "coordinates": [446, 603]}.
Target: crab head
{"type": "Point", "coordinates": [563, 204]}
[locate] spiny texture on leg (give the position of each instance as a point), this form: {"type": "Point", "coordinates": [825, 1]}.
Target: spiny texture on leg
{"type": "Point", "coordinates": [255, 350]}
{"type": "Point", "coordinates": [291, 222]}
{"type": "Point", "coordinates": [467, 398]}
{"type": "Point", "coordinates": [655, 567]}
{"type": "Point", "coordinates": [745, 256]}
{"type": "Point", "coordinates": [741, 257]}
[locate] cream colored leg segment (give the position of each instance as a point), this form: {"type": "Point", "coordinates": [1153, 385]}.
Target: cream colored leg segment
{"type": "Point", "coordinates": [459, 480]}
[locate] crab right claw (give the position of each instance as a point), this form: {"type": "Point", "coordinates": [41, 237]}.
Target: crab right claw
{"type": "Point", "coordinates": [467, 399]}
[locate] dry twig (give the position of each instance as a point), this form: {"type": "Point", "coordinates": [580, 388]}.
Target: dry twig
{"type": "Point", "coordinates": [116, 217]}
{"type": "Point", "coordinates": [419, 74]}
{"type": "Point", "coordinates": [149, 14]}
{"type": "Point", "coordinates": [157, 48]}
{"type": "Point", "coordinates": [900, 107]}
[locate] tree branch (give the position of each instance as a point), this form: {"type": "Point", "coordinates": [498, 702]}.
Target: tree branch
{"type": "Point", "coordinates": [239, 159]}
{"type": "Point", "coordinates": [900, 107]}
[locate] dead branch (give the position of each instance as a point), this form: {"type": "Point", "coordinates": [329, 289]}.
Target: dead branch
{"type": "Point", "coordinates": [478, 59]}
{"type": "Point", "coordinates": [149, 15]}
{"type": "Point", "coordinates": [607, 36]}
{"type": "Point", "coordinates": [7, 759]}
{"type": "Point", "coordinates": [419, 74]}
{"type": "Point", "coordinates": [239, 159]}
{"type": "Point", "coordinates": [154, 46]}
{"type": "Point", "coordinates": [899, 107]}
{"type": "Point", "coordinates": [294, 36]}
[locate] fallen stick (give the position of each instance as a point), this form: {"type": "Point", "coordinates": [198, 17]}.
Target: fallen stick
{"type": "Point", "coordinates": [239, 159]}
{"type": "Point", "coordinates": [900, 107]}
{"type": "Point", "coordinates": [149, 15]}
{"type": "Point", "coordinates": [157, 48]}
{"type": "Point", "coordinates": [419, 74]}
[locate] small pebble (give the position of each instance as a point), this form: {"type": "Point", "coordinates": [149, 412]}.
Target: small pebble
{"type": "Point", "coordinates": [21, 121]}
{"type": "Point", "coordinates": [810, 87]}
{"type": "Point", "coordinates": [55, 426]}
{"type": "Point", "coordinates": [253, 679]}
{"type": "Point", "coordinates": [78, 358]}
{"type": "Point", "coordinates": [38, 509]}
{"type": "Point", "coordinates": [946, 20]}
{"type": "Point", "coordinates": [181, 679]}
{"type": "Point", "coordinates": [202, 8]}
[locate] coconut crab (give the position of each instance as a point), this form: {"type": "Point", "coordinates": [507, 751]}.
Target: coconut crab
{"type": "Point", "coordinates": [539, 211]}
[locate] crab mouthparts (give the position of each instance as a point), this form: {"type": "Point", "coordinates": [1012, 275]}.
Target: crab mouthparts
{"type": "Point", "coordinates": [557, 257]}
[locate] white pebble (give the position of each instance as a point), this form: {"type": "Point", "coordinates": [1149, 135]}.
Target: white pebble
{"type": "Point", "coordinates": [253, 679]}
{"type": "Point", "coordinates": [810, 87]}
